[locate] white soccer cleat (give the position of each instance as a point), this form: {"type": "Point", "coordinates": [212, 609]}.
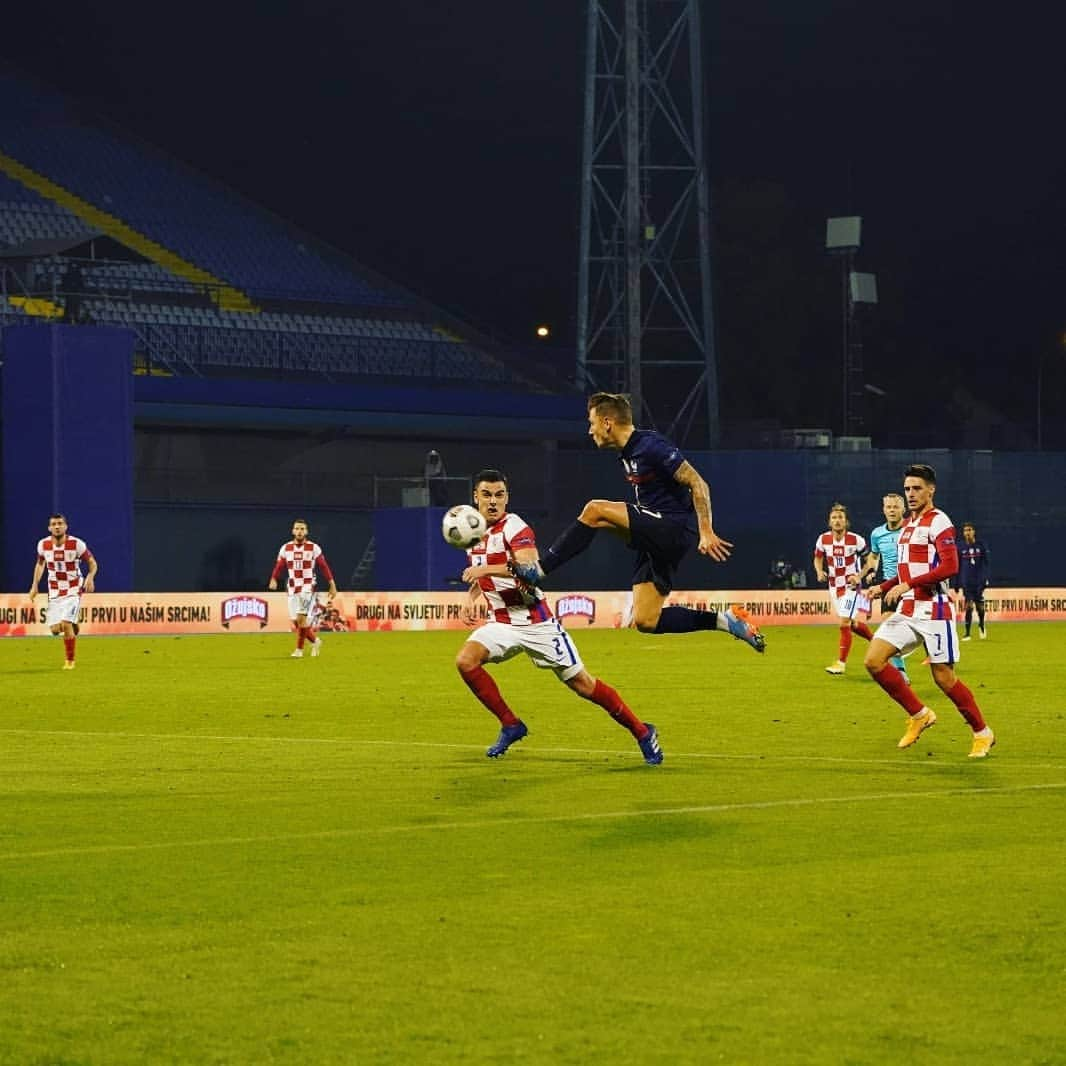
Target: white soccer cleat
{"type": "Point", "coordinates": [297, 653]}
{"type": "Point", "coordinates": [982, 634]}
{"type": "Point", "coordinates": [68, 664]}
{"type": "Point", "coordinates": [836, 669]}
{"type": "Point", "coordinates": [316, 649]}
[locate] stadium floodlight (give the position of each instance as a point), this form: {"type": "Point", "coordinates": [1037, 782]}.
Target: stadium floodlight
{"type": "Point", "coordinates": [863, 287]}
{"type": "Point", "coordinates": [843, 234]}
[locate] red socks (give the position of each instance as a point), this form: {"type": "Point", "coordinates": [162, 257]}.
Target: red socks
{"type": "Point", "coordinates": [616, 707]}
{"type": "Point", "coordinates": [891, 680]}
{"type": "Point", "coordinates": [845, 643]}
{"type": "Point", "coordinates": [962, 697]}
{"type": "Point", "coordinates": [863, 630]}
{"type": "Point", "coordinates": [480, 682]}
{"type": "Point", "coordinates": [68, 644]}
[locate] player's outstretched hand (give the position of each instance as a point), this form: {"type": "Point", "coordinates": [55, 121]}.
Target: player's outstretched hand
{"type": "Point", "coordinates": [713, 545]}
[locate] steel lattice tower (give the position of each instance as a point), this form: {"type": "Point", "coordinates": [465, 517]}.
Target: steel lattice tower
{"type": "Point", "coordinates": [645, 316]}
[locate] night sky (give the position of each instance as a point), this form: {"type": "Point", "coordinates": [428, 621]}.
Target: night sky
{"type": "Point", "coordinates": [440, 145]}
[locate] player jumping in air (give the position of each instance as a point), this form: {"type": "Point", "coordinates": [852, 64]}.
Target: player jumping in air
{"type": "Point", "coordinates": [62, 556]}
{"type": "Point", "coordinates": [670, 515]}
{"type": "Point", "coordinates": [301, 557]}
{"type": "Point", "coordinates": [522, 621]}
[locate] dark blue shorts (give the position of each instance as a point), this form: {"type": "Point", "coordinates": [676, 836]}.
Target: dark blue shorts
{"type": "Point", "coordinates": [974, 595]}
{"type": "Point", "coordinates": [661, 542]}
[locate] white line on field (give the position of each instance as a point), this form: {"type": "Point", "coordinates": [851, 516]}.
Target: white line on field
{"type": "Point", "coordinates": [762, 756]}
{"type": "Point", "coordinates": [510, 822]}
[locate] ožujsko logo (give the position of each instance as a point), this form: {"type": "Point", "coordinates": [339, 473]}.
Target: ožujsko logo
{"type": "Point", "coordinates": [576, 607]}
{"type": "Point", "coordinates": [240, 608]}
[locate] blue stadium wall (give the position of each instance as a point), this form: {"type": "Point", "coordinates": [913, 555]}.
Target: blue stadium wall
{"type": "Point", "coordinates": [771, 504]}
{"type": "Point", "coordinates": [67, 442]}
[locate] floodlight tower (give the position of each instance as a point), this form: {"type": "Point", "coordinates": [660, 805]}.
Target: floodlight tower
{"type": "Point", "coordinates": [645, 317]}
{"type": "Point", "coordinates": [843, 238]}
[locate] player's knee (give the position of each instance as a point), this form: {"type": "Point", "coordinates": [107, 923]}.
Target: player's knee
{"type": "Point", "coordinates": [646, 623]}
{"type": "Point", "coordinates": [592, 512]}
{"type": "Point", "coordinates": [874, 662]}
{"type": "Point", "coordinates": [466, 660]}
{"type": "Point", "coordinates": [944, 677]}
{"type": "Point", "coordinates": [584, 684]}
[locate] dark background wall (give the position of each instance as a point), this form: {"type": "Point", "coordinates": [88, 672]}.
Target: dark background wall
{"type": "Point", "coordinates": [771, 504]}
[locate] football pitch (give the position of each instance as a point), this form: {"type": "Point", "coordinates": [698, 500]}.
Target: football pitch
{"type": "Point", "coordinates": [212, 853]}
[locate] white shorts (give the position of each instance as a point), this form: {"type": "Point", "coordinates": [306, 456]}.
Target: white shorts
{"type": "Point", "coordinates": [939, 637]}
{"type": "Point", "coordinates": [546, 643]}
{"type": "Point", "coordinates": [302, 603]}
{"type": "Point", "coordinates": [853, 602]}
{"type": "Point", "coordinates": [62, 609]}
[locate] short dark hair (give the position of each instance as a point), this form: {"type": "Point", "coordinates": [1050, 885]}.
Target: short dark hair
{"type": "Point", "coordinates": [489, 474]}
{"type": "Point", "coordinates": [614, 405]}
{"type": "Point", "coordinates": [922, 470]}
{"type": "Point", "coordinates": [58, 514]}
{"type": "Point", "coordinates": [969, 525]}
{"type": "Point", "coordinates": [301, 522]}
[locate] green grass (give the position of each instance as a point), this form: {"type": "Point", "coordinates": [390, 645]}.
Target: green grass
{"type": "Point", "coordinates": [210, 853]}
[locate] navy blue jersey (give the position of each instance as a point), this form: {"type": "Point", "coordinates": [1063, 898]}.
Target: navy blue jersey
{"type": "Point", "coordinates": [650, 462]}
{"type": "Point", "coordinates": [973, 566]}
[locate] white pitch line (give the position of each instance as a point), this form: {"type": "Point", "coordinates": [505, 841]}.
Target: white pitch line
{"type": "Point", "coordinates": [489, 823]}
{"type": "Point", "coordinates": [761, 756]}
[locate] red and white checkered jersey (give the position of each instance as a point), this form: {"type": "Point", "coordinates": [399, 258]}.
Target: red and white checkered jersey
{"type": "Point", "coordinates": [923, 546]}
{"type": "Point", "coordinates": [842, 557]}
{"type": "Point", "coordinates": [507, 602]}
{"type": "Point", "coordinates": [63, 564]}
{"type": "Point", "coordinates": [301, 561]}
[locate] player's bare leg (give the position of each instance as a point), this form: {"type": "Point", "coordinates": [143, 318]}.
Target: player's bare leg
{"type": "Point", "coordinates": [647, 607]}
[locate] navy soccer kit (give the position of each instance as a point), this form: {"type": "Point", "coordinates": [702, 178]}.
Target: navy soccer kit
{"type": "Point", "coordinates": [973, 569]}
{"type": "Point", "coordinates": [662, 521]}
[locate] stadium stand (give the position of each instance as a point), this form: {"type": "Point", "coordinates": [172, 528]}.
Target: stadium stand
{"type": "Point", "coordinates": [95, 227]}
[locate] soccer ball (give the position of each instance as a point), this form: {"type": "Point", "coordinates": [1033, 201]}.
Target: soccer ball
{"type": "Point", "coordinates": [463, 526]}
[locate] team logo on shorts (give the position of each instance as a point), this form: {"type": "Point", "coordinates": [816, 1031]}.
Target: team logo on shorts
{"type": "Point", "coordinates": [576, 607]}
{"type": "Point", "coordinates": [241, 608]}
